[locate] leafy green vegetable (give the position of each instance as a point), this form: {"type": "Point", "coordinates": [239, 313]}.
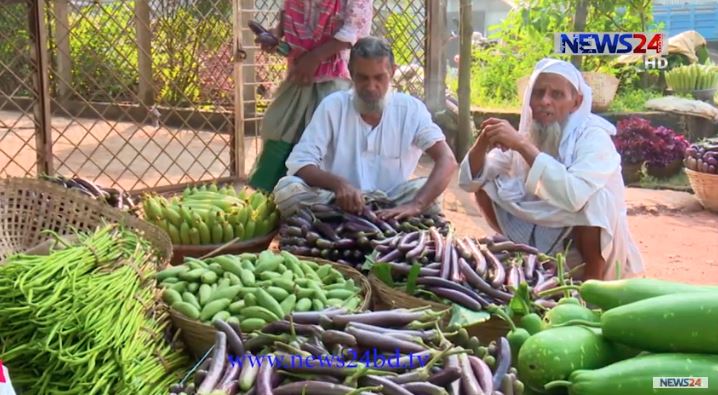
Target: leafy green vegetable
{"type": "Point", "coordinates": [463, 317]}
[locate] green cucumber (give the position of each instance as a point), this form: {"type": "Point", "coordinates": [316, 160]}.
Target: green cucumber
{"type": "Point", "coordinates": [217, 268]}
{"type": "Point", "coordinates": [233, 279]}
{"type": "Point", "coordinates": [567, 312]}
{"type": "Point", "coordinates": [209, 277]}
{"type": "Point", "coordinates": [228, 264]}
{"type": "Point", "coordinates": [212, 308]}
{"type": "Point", "coordinates": [250, 300]}
{"type": "Point", "coordinates": [170, 296]}
{"type": "Point", "coordinates": [192, 275]}
{"type": "Point", "coordinates": [173, 271]}
{"type": "Point", "coordinates": [225, 293]}
{"type": "Point", "coordinates": [195, 263]}
{"type": "Point", "coordinates": [303, 304]}
{"type": "Point", "coordinates": [169, 281]}
{"type": "Point", "coordinates": [268, 261]}
{"type": "Point", "coordinates": [258, 312]}
{"type": "Point", "coordinates": [191, 299]}
{"type": "Point", "coordinates": [222, 315]}
{"type": "Point", "coordinates": [205, 292]}
{"type": "Point", "coordinates": [193, 287]}
{"type": "Point", "coordinates": [283, 283]}
{"type": "Point", "coordinates": [288, 304]}
{"type": "Point", "coordinates": [252, 324]}
{"type": "Point", "coordinates": [279, 294]}
{"type": "Point", "coordinates": [318, 305]}
{"type": "Point", "coordinates": [269, 275]}
{"type": "Point", "coordinates": [186, 309]}
{"type": "Point", "coordinates": [236, 307]}
{"type": "Point", "coordinates": [342, 294]}
{"type": "Point", "coordinates": [266, 300]}
{"type": "Point", "coordinates": [247, 277]}
{"type": "Point", "coordinates": [180, 286]}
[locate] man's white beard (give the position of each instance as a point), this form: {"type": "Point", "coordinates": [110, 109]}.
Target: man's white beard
{"type": "Point", "coordinates": [547, 138]}
{"type": "Point", "coordinates": [364, 107]}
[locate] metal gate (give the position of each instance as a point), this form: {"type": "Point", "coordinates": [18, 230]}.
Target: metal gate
{"type": "Point", "coordinates": [141, 94]}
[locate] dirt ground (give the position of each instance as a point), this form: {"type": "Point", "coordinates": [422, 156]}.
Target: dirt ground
{"type": "Point", "coordinates": [675, 235]}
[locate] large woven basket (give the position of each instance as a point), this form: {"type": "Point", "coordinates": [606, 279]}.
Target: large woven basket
{"type": "Point", "coordinates": [705, 186]}
{"type": "Point", "coordinates": [29, 206]}
{"type": "Point", "coordinates": [390, 298]}
{"type": "Point", "coordinates": [199, 337]}
{"type": "Point", "coordinates": [603, 88]}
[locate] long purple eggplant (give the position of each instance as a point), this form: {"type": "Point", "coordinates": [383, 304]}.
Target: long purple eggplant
{"type": "Point", "coordinates": [388, 387]}
{"type": "Point", "coordinates": [408, 241]}
{"type": "Point", "coordinates": [512, 247]}
{"type": "Point", "coordinates": [462, 248]}
{"type": "Point", "coordinates": [483, 374]}
{"type": "Point", "coordinates": [284, 326]}
{"type": "Point", "coordinates": [390, 256]}
{"type": "Point", "coordinates": [457, 297]}
{"type": "Point", "coordinates": [438, 241]}
{"type": "Point", "coordinates": [429, 335]}
{"type": "Point", "coordinates": [313, 349]}
{"type": "Point", "coordinates": [264, 377]}
{"type": "Point", "coordinates": [392, 318]}
{"type": "Point", "coordinates": [479, 283]}
{"type": "Point", "coordinates": [530, 266]}
{"type": "Point", "coordinates": [233, 338]}
{"type": "Point", "coordinates": [440, 282]}
{"type": "Point", "coordinates": [455, 273]}
{"type": "Point", "coordinates": [231, 375]}
{"type": "Point", "coordinates": [513, 279]}
{"type": "Point", "coordinates": [313, 317]}
{"type": "Point", "coordinates": [453, 360]}
{"type": "Point", "coordinates": [404, 269]}
{"type": "Point", "coordinates": [446, 256]}
{"type": "Point", "coordinates": [446, 376]}
{"type": "Point", "coordinates": [384, 343]}
{"type": "Point", "coordinates": [326, 230]}
{"type": "Point", "coordinates": [469, 382]}
{"type": "Point", "coordinates": [547, 284]}
{"type": "Point", "coordinates": [331, 337]}
{"type": "Point", "coordinates": [361, 222]}
{"type": "Point", "coordinates": [503, 362]}
{"type": "Point", "coordinates": [477, 256]}
{"type": "Point", "coordinates": [496, 269]}
{"type": "Point", "coordinates": [219, 358]}
{"type": "Point", "coordinates": [310, 387]}
{"type": "Point", "coordinates": [419, 388]}
{"type": "Point", "coordinates": [420, 247]}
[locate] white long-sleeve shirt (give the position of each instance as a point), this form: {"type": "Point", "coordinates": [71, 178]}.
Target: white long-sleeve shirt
{"type": "Point", "coordinates": [589, 192]}
{"type": "Point", "coordinates": [339, 141]}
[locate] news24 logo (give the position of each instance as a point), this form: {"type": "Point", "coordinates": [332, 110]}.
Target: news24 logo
{"type": "Point", "coordinates": [586, 43]}
{"type": "Point", "coordinates": [680, 382]}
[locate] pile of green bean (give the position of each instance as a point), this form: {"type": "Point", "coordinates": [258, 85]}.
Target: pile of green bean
{"type": "Point", "coordinates": [82, 319]}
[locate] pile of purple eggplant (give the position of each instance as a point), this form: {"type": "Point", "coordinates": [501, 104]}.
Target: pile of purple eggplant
{"type": "Point", "coordinates": [463, 270]}
{"type": "Point", "coordinates": [382, 352]}
{"type": "Point", "coordinates": [325, 231]}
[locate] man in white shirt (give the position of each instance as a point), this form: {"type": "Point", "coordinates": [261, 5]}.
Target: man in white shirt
{"type": "Point", "coordinates": [368, 140]}
{"type": "Point", "coordinates": [558, 179]}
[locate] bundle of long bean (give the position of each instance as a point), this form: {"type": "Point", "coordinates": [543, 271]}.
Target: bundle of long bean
{"type": "Point", "coordinates": [81, 319]}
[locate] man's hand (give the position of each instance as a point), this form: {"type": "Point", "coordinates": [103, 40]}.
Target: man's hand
{"type": "Point", "coordinates": [408, 210]}
{"type": "Point", "coordinates": [500, 133]}
{"type": "Point", "coordinates": [349, 198]}
{"type": "Point", "coordinates": [303, 70]}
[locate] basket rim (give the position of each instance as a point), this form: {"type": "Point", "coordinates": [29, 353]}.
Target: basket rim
{"type": "Point", "coordinates": [240, 244]}
{"type": "Point", "coordinates": [109, 213]}
{"type": "Point", "coordinates": [381, 285]}
{"type": "Point", "coordinates": [699, 174]}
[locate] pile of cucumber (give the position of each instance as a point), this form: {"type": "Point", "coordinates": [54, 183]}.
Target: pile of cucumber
{"type": "Point", "coordinates": [634, 331]}
{"type": "Point", "coordinates": [212, 215]}
{"type": "Point", "coordinates": [251, 290]}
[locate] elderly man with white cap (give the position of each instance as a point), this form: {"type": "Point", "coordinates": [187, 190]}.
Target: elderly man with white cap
{"type": "Point", "coordinates": [557, 180]}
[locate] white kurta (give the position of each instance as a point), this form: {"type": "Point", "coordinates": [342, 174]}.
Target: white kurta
{"type": "Point", "coordinates": [589, 192]}
{"type": "Point", "coordinates": [339, 141]}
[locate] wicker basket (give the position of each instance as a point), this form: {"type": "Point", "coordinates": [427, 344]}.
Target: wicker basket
{"type": "Point", "coordinates": [28, 206]}
{"type": "Point", "coordinates": [705, 186]}
{"type": "Point", "coordinates": [603, 88]}
{"type": "Point", "coordinates": [257, 244]}
{"type": "Point", "coordinates": [199, 336]}
{"type": "Point", "coordinates": [390, 298]}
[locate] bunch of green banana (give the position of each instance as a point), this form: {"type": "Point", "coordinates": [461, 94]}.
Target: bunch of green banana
{"type": "Point", "coordinates": [685, 79]}
{"type": "Point", "coordinates": [212, 215]}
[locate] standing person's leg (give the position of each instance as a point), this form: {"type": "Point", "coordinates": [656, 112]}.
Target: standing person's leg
{"type": "Point", "coordinates": [282, 126]}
